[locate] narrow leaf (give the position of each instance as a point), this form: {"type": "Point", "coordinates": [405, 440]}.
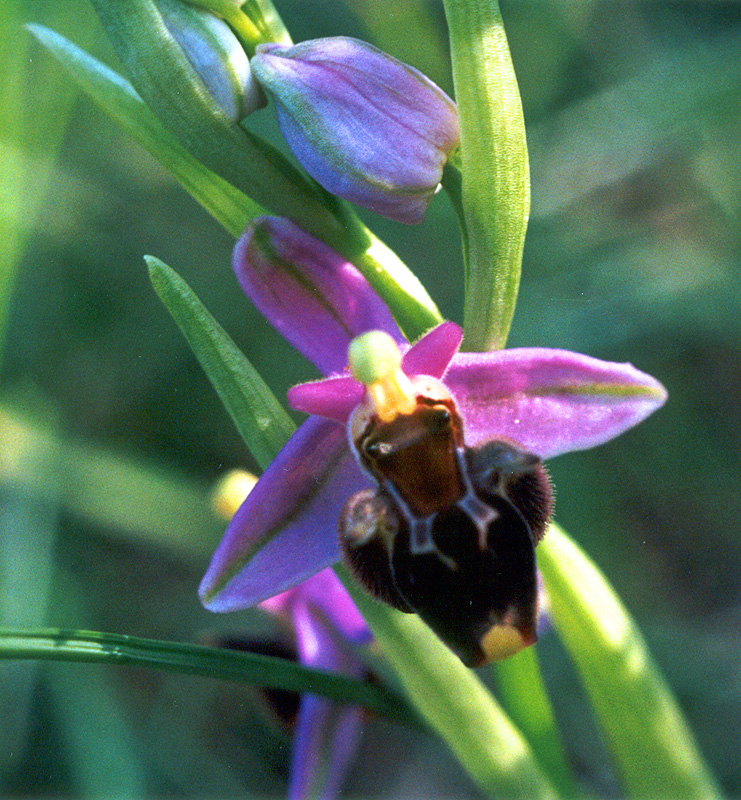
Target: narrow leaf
{"type": "Point", "coordinates": [260, 419]}
{"type": "Point", "coordinates": [644, 728]}
{"type": "Point", "coordinates": [495, 192]}
{"type": "Point", "coordinates": [523, 696]}
{"type": "Point", "coordinates": [56, 644]}
{"type": "Point", "coordinates": [232, 208]}
{"type": "Point", "coordinates": [452, 699]}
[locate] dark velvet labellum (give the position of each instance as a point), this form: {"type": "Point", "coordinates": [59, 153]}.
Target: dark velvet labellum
{"type": "Point", "coordinates": [450, 532]}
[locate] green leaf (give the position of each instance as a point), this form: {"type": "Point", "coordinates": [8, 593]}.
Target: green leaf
{"type": "Point", "coordinates": [260, 418]}
{"type": "Point", "coordinates": [523, 696]}
{"type": "Point", "coordinates": [494, 198]}
{"type": "Point", "coordinates": [643, 726]}
{"type": "Point", "coordinates": [56, 644]}
{"type": "Point", "coordinates": [232, 208]}
{"type": "Point", "coordinates": [452, 699]}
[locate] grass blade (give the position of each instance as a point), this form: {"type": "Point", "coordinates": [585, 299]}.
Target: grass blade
{"type": "Point", "coordinates": [56, 644]}
{"type": "Point", "coordinates": [644, 728]}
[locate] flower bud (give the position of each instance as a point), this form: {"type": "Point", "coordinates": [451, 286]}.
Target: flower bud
{"type": "Point", "coordinates": [309, 293]}
{"type": "Point", "coordinates": [367, 127]}
{"type": "Point", "coordinates": [216, 55]}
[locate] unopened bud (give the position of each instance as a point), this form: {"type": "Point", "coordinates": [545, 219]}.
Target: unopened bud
{"type": "Point", "coordinates": [216, 55]}
{"type": "Point", "coordinates": [367, 127]}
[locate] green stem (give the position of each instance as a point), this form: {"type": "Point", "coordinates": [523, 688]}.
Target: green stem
{"type": "Point", "coordinates": [191, 659]}
{"type": "Point", "coordinates": [644, 729]}
{"type": "Point", "coordinates": [495, 197]}
{"type": "Point", "coordinates": [411, 306]}
{"type": "Point", "coordinates": [523, 696]}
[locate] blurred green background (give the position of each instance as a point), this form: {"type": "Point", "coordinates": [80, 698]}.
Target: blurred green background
{"type": "Point", "coordinates": [111, 437]}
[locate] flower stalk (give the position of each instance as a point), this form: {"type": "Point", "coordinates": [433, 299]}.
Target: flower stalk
{"type": "Point", "coordinates": [494, 199]}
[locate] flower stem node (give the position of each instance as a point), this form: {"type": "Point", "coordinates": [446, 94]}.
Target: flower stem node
{"type": "Point", "coordinates": [365, 126]}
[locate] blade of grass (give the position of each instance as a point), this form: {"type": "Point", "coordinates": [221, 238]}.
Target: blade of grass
{"type": "Point", "coordinates": [260, 418]}
{"type": "Point", "coordinates": [643, 725]}
{"type": "Point", "coordinates": [56, 644]}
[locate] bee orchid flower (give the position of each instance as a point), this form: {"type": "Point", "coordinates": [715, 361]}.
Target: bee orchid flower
{"type": "Point", "coordinates": [511, 408]}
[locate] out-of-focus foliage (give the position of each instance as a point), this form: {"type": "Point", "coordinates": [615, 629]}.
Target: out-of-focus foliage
{"type": "Point", "coordinates": [634, 121]}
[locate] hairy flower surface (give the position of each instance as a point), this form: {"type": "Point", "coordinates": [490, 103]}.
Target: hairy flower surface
{"type": "Point", "coordinates": [367, 127]}
{"type": "Point", "coordinates": [547, 401]}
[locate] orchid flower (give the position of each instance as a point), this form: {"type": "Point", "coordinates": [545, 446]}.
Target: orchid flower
{"type": "Point", "coordinates": [325, 624]}
{"type": "Point", "coordinates": [546, 401]}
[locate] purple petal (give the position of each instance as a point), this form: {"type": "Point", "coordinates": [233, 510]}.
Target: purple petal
{"type": "Point", "coordinates": [366, 126]}
{"type": "Point", "coordinates": [550, 401]}
{"type": "Point", "coordinates": [318, 645]}
{"type": "Point", "coordinates": [309, 293]}
{"type": "Point", "coordinates": [431, 354]}
{"type": "Point", "coordinates": [325, 743]}
{"type": "Point", "coordinates": [332, 398]}
{"type": "Point", "coordinates": [327, 735]}
{"type": "Point", "coordinates": [322, 594]}
{"type": "Point", "coordinates": [286, 529]}
{"type": "Point", "coordinates": [325, 593]}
